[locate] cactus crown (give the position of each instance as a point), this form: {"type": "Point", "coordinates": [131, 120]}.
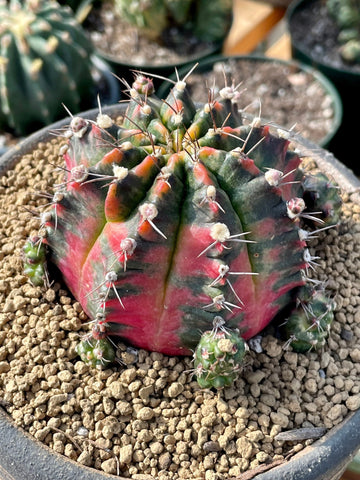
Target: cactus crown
{"type": "Point", "coordinates": [44, 63]}
{"type": "Point", "coordinates": [183, 216]}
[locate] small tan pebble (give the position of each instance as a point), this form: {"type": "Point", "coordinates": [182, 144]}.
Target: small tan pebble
{"type": "Point", "coordinates": [335, 412]}
{"type": "Point", "coordinates": [4, 367]}
{"type": "Point", "coordinates": [109, 466]}
{"type": "Point", "coordinates": [145, 413]}
{"type": "Point", "coordinates": [164, 461]}
{"type": "Point", "coordinates": [65, 376]}
{"type": "Point", "coordinates": [85, 459]}
{"type": "Point", "coordinates": [242, 412]}
{"type": "Point", "coordinates": [255, 436]}
{"type": "Point", "coordinates": [273, 349]}
{"type": "Point", "coordinates": [244, 447]}
{"type": "Point", "coordinates": [128, 376]}
{"type": "Point", "coordinates": [255, 377]}
{"type": "Point", "coordinates": [353, 402]}
{"type": "Point", "coordinates": [41, 398]}
{"type": "Point", "coordinates": [42, 433]}
{"type": "Point", "coordinates": [59, 447]}
{"type": "Point", "coordinates": [156, 448]}
{"type": "Point", "coordinates": [145, 392]}
{"type": "Point", "coordinates": [262, 457]}
{"type": "Point", "coordinates": [169, 440]}
{"type": "Point", "coordinates": [175, 389]}
{"type": "Point", "coordinates": [116, 390]}
{"type": "Point", "coordinates": [70, 452]}
{"type": "Point", "coordinates": [202, 437]}
{"type": "Point", "coordinates": [50, 295]}
{"type": "Point", "coordinates": [355, 355]}
{"type": "Point", "coordinates": [126, 453]}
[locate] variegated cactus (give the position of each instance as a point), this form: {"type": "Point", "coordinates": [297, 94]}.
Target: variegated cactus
{"type": "Point", "coordinates": [182, 217]}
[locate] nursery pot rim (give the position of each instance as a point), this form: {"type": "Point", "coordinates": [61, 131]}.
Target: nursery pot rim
{"type": "Point", "coordinates": [23, 456]}
{"type": "Point", "coordinates": [133, 66]}
{"type": "Point", "coordinates": [326, 67]}
{"type": "Point", "coordinates": [326, 84]}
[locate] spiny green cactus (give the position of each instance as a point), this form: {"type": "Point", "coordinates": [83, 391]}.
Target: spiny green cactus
{"type": "Point", "coordinates": [309, 326]}
{"type": "Point", "coordinates": [35, 260]}
{"type": "Point", "coordinates": [347, 16]}
{"type": "Point", "coordinates": [181, 216]}
{"type": "Point", "coordinates": [45, 62]}
{"type": "Point", "coordinates": [218, 356]}
{"type": "Point", "coordinates": [208, 21]}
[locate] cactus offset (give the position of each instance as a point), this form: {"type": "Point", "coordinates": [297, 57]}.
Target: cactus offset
{"type": "Point", "coordinates": [218, 356]}
{"type": "Point", "coordinates": [44, 63]}
{"type": "Point", "coordinates": [183, 215]}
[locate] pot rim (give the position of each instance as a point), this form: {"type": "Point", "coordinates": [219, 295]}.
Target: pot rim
{"type": "Point", "coordinates": [326, 84]}
{"type": "Point", "coordinates": [18, 447]}
{"type": "Point", "coordinates": [209, 50]}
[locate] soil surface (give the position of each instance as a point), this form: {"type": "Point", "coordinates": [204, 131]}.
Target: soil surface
{"type": "Point", "coordinates": [147, 416]}
{"type": "Point", "coordinates": [315, 32]}
{"type": "Point", "coordinates": [283, 94]}
{"type": "Point", "coordinates": [115, 37]}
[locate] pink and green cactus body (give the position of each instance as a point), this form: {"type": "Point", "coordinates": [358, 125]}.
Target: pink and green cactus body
{"type": "Point", "coordinates": [179, 216]}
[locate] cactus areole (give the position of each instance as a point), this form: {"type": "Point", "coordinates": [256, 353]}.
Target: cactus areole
{"type": "Point", "coordinates": [184, 222]}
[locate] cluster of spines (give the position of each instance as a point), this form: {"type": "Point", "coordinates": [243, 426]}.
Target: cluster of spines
{"type": "Point", "coordinates": [219, 355]}
{"type": "Point", "coordinates": [92, 141]}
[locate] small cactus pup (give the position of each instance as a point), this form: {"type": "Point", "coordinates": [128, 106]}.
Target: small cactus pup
{"type": "Point", "coordinates": [153, 17]}
{"type": "Point", "coordinates": [35, 260]}
{"type": "Point", "coordinates": [346, 13]}
{"type": "Point", "coordinates": [45, 61]}
{"type": "Point", "coordinates": [183, 220]}
{"type": "Point", "coordinates": [218, 356]}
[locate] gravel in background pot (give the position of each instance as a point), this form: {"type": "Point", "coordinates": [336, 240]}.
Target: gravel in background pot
{"type": "Point", "coordinates": [291, 94]}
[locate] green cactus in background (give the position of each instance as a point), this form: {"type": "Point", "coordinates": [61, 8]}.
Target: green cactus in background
{"type": "Point", "coordinates": [207, 20]}
{"type": "Point", "coordinates": [45, 63]}
{"type": "Point", "coordinates": [347, 16]}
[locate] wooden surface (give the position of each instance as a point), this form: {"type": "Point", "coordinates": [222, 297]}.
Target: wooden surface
{"type": "Point", "coordinates": [252, 23]}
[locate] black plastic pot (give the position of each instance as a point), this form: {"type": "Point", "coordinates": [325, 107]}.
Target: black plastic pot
{"type": "Point", "coordinates": [24, 458]}
{"type": "Point", "coordinates": [207, 65]}
{"type": "Point", "coordinates": [125, 70]}
{"type": "Point", "coordinates": [345, 79]}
